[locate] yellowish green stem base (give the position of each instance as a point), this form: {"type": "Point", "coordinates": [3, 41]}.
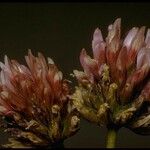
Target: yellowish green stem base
{"type": "Point", "coordinates": [111, 138]}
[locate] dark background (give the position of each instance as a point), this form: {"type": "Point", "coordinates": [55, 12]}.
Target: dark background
{"type": "Point", "coordinates": [61, 30]}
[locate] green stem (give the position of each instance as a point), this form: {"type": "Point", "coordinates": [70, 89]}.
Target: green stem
{"type": "Point", "coordinates": [111, 138]}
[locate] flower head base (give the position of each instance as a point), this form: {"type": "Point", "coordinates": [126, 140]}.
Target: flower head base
{"type": "Point", "coordinates": [35, 102]}
{"type": "Point", "coordinates": [114, 88]}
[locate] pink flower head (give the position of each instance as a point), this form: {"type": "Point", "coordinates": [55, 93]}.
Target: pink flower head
{"type": "Point", "coordinates": [34, 100]}
{"type": "Point", "coordinates": [128, 61]}
{"type": "Point", "coordinates": [40, 84]}
{"type": "Point", "coordinates": [115, 82]}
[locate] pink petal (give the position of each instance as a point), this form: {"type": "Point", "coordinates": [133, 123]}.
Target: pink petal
{"type": "Point", "coordinates": [113, 38]}
{"type": "Point", "coordinates": [113, 46]}
{"type": "Point", "coordinates": [97, 37]}
{"type": "Point", "coordinates": [121, 66]}
{"type": "Point", "coordinates": [98, 46]}
{"type": "Point", "coordinates": [57, 86]}
{"type": "Point", "coordinates": [139, 39]}
{"type": "Point", "coordinates": [89, 65]}
{"type": "Point", "coordinates": [136, 45]}
{"type": "Point", "coordinates": [134, 80]}
{"type": "Point", "coordinates": [42, 61]}
{"type": "Point", "coordinates": [7, 62]}
{"type": "Point", "coordinates": [143, 57]}
{"type": "Point", "coordinates": [147, 39]}
{"type": "Point", "coordinates": [30, 60]}
{"type": "Point", "coordinates": [130, 37]}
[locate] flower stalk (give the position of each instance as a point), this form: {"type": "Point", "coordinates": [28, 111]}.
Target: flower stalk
{"type": "Point", "coordinates": [111, 137]}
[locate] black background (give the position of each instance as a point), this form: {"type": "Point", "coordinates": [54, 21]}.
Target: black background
{"type": "Point", "coordinates": [60, 31]}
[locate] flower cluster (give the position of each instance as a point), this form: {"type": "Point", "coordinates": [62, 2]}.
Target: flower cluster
{"type": "Point", "coordinates": [114, 88]}
{"type": "Point", "coordinates": [35, 105]}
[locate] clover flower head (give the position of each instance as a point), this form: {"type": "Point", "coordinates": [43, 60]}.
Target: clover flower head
{"type": "Point", "coordinates": [35, 104]}
{"type": "Point", "coordinates": [114, 86]}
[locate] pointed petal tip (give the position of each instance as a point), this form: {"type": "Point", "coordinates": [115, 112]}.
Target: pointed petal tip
{"type": "Point", "coordinates": [97, 30]}
{"type": "Point", "coordinates": [5, 56]}
{"type": "Point", "coordinates": [143, 57]}
{"type": "Point", "coordinates": [83, 51]}
{"type": "Point", "coordinates": [97, 36]}
{"type": "Point", "coordinates": [147, 39]}
{"type": "Point", "coordinates": [50, 61]}
{"type": "Point", "coordinates": [82, 55]}
{"type": "Point", "coordinates": [130, 37]}
{"type": "Point", "coordinates": [148, 31]}
{"type": "Point", "coordinates": [40, 54]}
{"type": "Point", "coordinates": [117, 22]}
{"type": "Point", "coordinates": [142, 30]}
{"type": "Point", "coordinates": [143, 27]}
{"type": "Point", "coordinates": [58, 76]}
{"type": "Point", "coordinates": [6, 59]}
{"type": "Point", "coordinates": [29, 50]}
